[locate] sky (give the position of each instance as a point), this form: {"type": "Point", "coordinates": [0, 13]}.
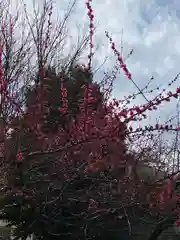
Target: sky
{"type": "Point", "coordinates": [150, 27]}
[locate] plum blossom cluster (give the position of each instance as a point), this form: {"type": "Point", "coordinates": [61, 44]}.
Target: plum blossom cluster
{"type": "Point", "coordinates": [64, 107]}
{"type": "Point", "coordinates": [120, 59]}
{"type": "Point", "coordinates": [91, 31]}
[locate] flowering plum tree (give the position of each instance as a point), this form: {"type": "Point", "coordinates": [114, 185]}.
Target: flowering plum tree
{"type": "Point", "coordinates": [67, 165]}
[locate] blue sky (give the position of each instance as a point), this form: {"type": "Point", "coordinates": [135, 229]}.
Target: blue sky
{"type": "Point", "coordinates": [150, 27]}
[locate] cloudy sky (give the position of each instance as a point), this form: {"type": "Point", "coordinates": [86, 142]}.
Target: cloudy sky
{"type": "Point", "coordinates": [150, 27]}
